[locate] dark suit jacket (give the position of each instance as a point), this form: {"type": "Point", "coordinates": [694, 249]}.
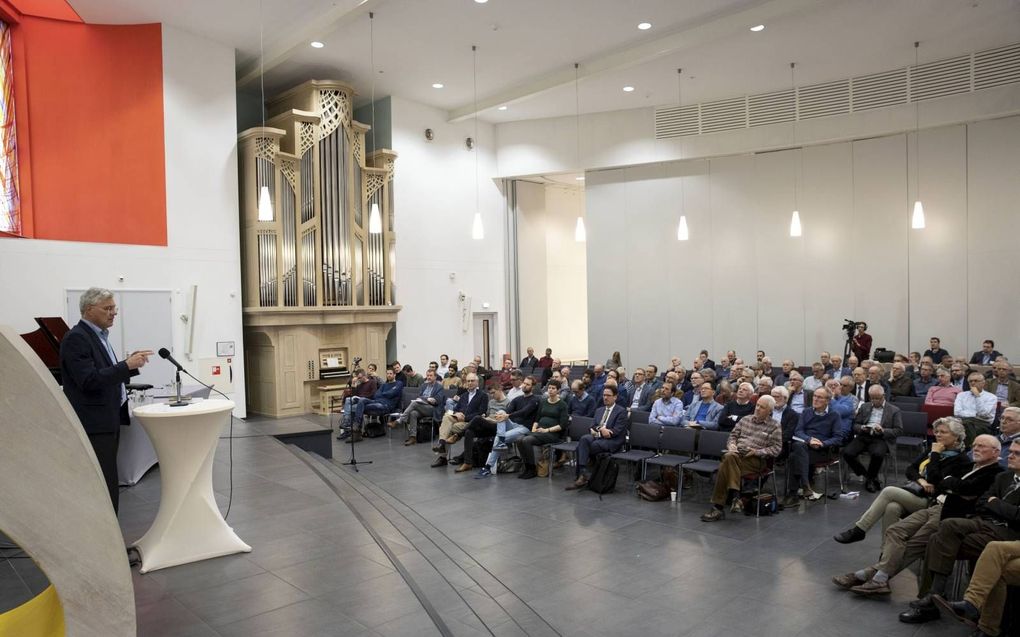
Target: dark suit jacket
{"type": "Point", "coordinates": [477, 407]}
{"type": "Point", "coordinates": [617, 422]}
{"type": "Point", "coordinates": [892, 421]}
{"type": "Point", "coordinates": [92, 382]}
{"type": "Point", "coordinates": [978, 356]}
{"type": "Point", "coordinates": [963, 491]}
{"type": "Point", "coordinates": [1007, 507]}
{"type": "Point", "coordinates": [529, 361]}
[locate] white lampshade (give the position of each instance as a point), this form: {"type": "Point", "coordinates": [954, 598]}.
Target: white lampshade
{"type": "Point", "coordinates": [681, 230]}
{"type": "Point", "coordinates": [374, 220]}
{"type": "Point", "coordinates": [917, 219]}
{"type": "Point", "coordinates": [265, 204]}
{"type": "Point", "coordinates": [580, 235]}
{"type": "Point", "coordinates": [795, 224]}
{"type": "Point", "coordinates": [477, 232]}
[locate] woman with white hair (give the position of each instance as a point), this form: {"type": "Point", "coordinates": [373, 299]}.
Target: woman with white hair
{"type": "Point", "coordinates": [947, 457]}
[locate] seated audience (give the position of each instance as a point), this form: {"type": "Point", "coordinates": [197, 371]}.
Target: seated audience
{"type": "Point", "coordinates": [550, 423]}
{"type": "Point", "coordinates": [764, 386]}
{"type": "Point", "coordinates": [816, 380]}
{"type": "Point", "coordinates": [598, 380]}
{"type": "Point", "coordinates": [482, 426]}
{"type": "Point", "coordinates": [925, 379]}
{"type": "Point", "coordinates": [503, 377]}
{"type": "Point", "coordinates": [818, 433]}
{"type": "Point", "coordinates": [723, 392]}
{"type": "Point", "coordinates": [876, 376]}
{"type": "Point", "coordinates": [825, 359]}
{"type": "Point", "coordinates": [1009, 430]}
{"type": "Point", "coordinates": [935, 351]}
{"type": "Point", "coordinates": [385, 400]}
{"type": "Point", "coordinates": [944, 393]}
{"type": "Point", "coordinates": [362, 387]}
{"type": "Point", "coordinates": [741, 405]}
{"type": "Point", "coordinates": [529, 361]}
{"type": "Point", "coordinates": [947, 457]}
{"type": "Point", "coordinates": [844, 405]}
{"type": "Point", "coordinates": [986, 355]}
{"type": "Point", "coordinates": [668, 409]}
{"type": "Point", "coordinates": [958, 376]}
{"type": "Point", "coordinates": [838, 369]}
{"type": "Point", "coordinates": [900, 384]}
{"type": "Point", "coordinates": [413, 378]}
{"type": "Point", "coordinates": [511, 425]}
{"type": "Point", "coordinates": [580, 402]}
{"type": "Point", "coordinates": [756, 439]}
{"type": "Point", "coordinates": [398, 373]}
{"type": "Point", "coordinates": [1006, 389]}
{"type": "Point", "coordinates": [430, 403]}
{"type": "Point", "coordinates": [906, 540]}
{"type": "Point", "coordinates": [470, 403]}
{"type": "Point", "coordinates": [984, 602]}
{"type": "Point", "coordinates": [800, 400]}
{"type": "Point", "coordinates": [516, 379]}
{"type": "Point", "coordinates": [976, 407]}
{"type": "Point", "coordinates": [877, 424]}
{"type": "Point", "coordinates": [639, 393]}
{"type": "Point", "coordinates": [785, 416]}
{"type": "Point", "coordinates": [444, 366]}
{"type": "Point", "coordinates": [784, 376]}
{"type": "Point", "coordinates": [704, 411]}
{"type": "Point", "coordinates": [608, 435]}
{"type": "Point", "coordinates": [997, 517]}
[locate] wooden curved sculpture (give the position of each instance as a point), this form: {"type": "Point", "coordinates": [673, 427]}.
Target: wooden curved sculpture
{"type": "Point", "coordinates": [54, 503]}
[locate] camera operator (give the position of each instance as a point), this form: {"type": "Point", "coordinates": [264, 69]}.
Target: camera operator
{"type": "Point", "coordinates": [861, 343]}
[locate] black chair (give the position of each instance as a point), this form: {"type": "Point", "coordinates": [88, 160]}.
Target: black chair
{"type": "Point", "coordinates": [908, 403]}
{"type": "Point", "coordinates": [578, 427]}
{"type": "Point", "coordinates": [643, 443]}
{"type": "Point", "coordinates": [676, 448]}
{"type": "Point", "coordinates": [710, 449]}
{"type": "Point", "coordinates": [915, 430]}
{"type": "Point", "coordinates": [637, 416]}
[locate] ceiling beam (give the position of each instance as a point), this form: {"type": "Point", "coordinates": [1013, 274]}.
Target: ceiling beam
{"type": "Point", "coordinates": [342, 13]}
{"type": "Point", "coordinates": [712, 28]}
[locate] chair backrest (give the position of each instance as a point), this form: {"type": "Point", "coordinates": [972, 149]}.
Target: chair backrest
{"type": "Point", "coordinates": [915, 423]}
{"type": "Point", "coordinates": [934, 412]}
{"type": "Point", "coordinates": [644, 436]}
{"type": "Point", "coordinates": [908, 403]}
{"type": "Point", "coordinates": [639, 417]}
{"type": "Point", "coordinates": [408, 395]}
{"type": "Point", "coordinates": [712, 443]}
{"type": "Point", "coordinates": [678, 440]}
{"type": "Point", "coordinates": [579, 426]}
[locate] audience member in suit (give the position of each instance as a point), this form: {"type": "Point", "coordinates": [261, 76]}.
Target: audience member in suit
{"type": "Point", "coordinates": [817, 433]}
{"type": "Point", "coordinates": [825, 359]}
{"type": "Point", "coordinates": [958, 375]}
{"type": "Point", "coordinates": [785, 416]}
{"type": "Point", "coordinates": [935, 351]}
{"type": "Point", "coordinates": [640, 394]}
{"type": "Point", "coordinates": [608, 434]}
{"type": "Point", "coordinates": [876, 376]}
{"type": "Point", "coordinates": [430, 403]}
{"type": "Point", "coordinates": [1006, 389]}
{"type": "Point", "coordinates": [529, 361]}
{"type": "Point", "coordinates": [877, 424]}
{"type": "Point", "coordinates": [472, 402]}
{"type": "Point", "coordinates": [987, 355]}
{"type": "Point", "coordinates": [784, 376]}
{"type": "Point", "coordinates": [482, 426]}
{"type": "Point", "coordinates": [925, 379]}
{"type": "Point", "coordinates": [907, 539]}
{"type": "Point", "coordinates": [900, 384]}
{"type": "Point", "coordinates": [948, 457]}
{"type": "Point", "coordinates": [997, 517]}
{"type": "Point", "coordinates": [756, 439]}
{"type": "Point", "coordinates": [838, 370]}
{"type": "Point", "coordinates": [706, 362]}
{"type": "Point", "coordinates": [943, 393]}
{"type": "Point", "coordinates": [94, 380]}
{"type": "Point", "coordinates": [860, 388]}
{"type": "Point", "coordinates": [976, 407]}
{"type": "Point", "coordinates": [861, 342]}
{"type": "Point", "coordinates": [741, 405]}
{"type": "Point", "coordinates": [652, 378]}
{"type": "Point", "coordinates": [704, 411]}
{"type": "Point", "coordinates": [1009, 430]}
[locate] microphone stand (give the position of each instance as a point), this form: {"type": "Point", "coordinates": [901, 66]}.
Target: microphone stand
{"type": "Point", "coordinates": [179, 402]}
{"type": "Point", "coordinates": [353, 462]}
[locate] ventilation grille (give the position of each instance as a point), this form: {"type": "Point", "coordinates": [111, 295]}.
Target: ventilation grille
{"type": "Point", "coordinates": [974, 72]}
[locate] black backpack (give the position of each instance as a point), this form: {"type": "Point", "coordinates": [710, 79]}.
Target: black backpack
{"type": "Point", "coordinates": [603, 474]}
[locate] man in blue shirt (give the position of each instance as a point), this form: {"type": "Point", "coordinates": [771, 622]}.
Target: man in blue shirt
{"type": "Point", "coordinates": [818, 433]}
{"type": "Point", "coordinates": [580, 403]}
{"type": "Point", "coordinates": [385, 400]}
{"type": "Point", "coordinates": [667, 410]}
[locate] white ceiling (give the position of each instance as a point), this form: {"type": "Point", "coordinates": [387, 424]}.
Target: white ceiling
{"type": "Point", "coordinates": [527, 48]}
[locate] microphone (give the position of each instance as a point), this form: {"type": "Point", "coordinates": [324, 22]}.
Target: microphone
{"type": "Point", "coordinates": [165, 353]}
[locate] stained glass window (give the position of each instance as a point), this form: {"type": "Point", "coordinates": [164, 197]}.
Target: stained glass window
{"type": "Point", "coordinates": [10, 199]}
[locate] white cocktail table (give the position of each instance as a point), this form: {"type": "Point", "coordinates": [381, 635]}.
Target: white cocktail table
{"type": "Point", "coordinates": [188, 526]}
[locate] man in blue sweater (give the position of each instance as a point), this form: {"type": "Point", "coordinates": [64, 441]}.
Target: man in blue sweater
{"type": "Point", "coordinates": [385, 400]}
{"type": "Point", "coordinates": [818, 433]}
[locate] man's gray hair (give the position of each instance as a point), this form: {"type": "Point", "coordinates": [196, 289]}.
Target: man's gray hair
{"type": "Point", "coordinates": [784, 392]}
{"type": "Point", "coordinates": [768, 401]}
{"type": "Point", "coordinates": [93, 296]}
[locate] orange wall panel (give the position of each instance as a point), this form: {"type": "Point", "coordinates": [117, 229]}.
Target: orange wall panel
{"type": "Point", "coordinates": [94, 101]}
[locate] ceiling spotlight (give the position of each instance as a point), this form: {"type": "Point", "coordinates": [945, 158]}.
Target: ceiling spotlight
{"type": "Point", "coordinates": [644, 26]}
{"type": "Point", "coordinates": [437, 85]}
{"type": "Point", "coordinates": [481, 1]}
{"type": "Point", "coordinates": [758, 27]}
{"type": "Point", "coordinates": [628, 89]}
{"type": "Point", "coordinates": [502, 108]}
{"type": "Point", "coordinates": [317, 45]}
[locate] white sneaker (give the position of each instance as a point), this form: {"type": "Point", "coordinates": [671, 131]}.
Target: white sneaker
{"type": "Point", "coordinates": [812, 495]}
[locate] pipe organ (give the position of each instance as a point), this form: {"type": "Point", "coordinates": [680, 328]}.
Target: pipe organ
{"type": "Point", "coordinates": [314, 277]}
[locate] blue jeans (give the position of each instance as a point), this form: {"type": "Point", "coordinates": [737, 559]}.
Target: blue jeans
{"type": "Point", "coordinates": [510, 432]}
{"type": "Point", "coordinates": [368, 406]}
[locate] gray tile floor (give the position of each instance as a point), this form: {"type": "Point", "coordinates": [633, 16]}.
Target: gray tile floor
{"type": "Point", "coordinates": [403, 549]}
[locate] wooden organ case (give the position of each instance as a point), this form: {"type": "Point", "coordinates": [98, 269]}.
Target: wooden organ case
{"type": "Point", "coordinates": [315, 279]}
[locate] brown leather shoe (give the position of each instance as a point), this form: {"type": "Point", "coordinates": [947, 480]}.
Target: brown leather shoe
{"type": "Point", "coordinates": [850, 580]}
{"type": "Point", "coordinates": [452, 440]}
{"type": "Point", "coordinates": [562, 461]}
{"type": "Point", "coordinates": [871, 588]}
{"type": "Point", "coordinates": [580, 483]}
{"type": "Point", "coordinates": [410, 441]}
{"type": "Point", "coordinates": [464, 467]}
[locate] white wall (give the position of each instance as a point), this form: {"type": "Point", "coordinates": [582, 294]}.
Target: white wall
{"type": "Point", "coordinates": [203, 246]}
{"type": "Point", "coordinates": [552, 271]}
{"type": "Point", "coordinates": [434, 201]}
{"type": "Point", "coordinates": [741, 282]}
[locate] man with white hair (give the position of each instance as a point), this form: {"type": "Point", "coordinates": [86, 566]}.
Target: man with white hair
{"type": "Point", "coordinates": [876, 424]}
{"type": "Point", "coordinates": [94, 378]}
{"type": "Point", "coordinates": [900, 384]}
{"type": "Point", "coordinates": [740, 406]}
{"type": "Point", "coordinates": [1006, 390]}
{"type": "Point", "coordinates": [784, 376]}
{"type": "Point", "coordinates": [975, 407]}
{"type": "Point", "coordinates": [838, 369]}
{"type": "Point", "coordinates": [755, 439]}
{"type": "Point", "coordinates": [816, 379]}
